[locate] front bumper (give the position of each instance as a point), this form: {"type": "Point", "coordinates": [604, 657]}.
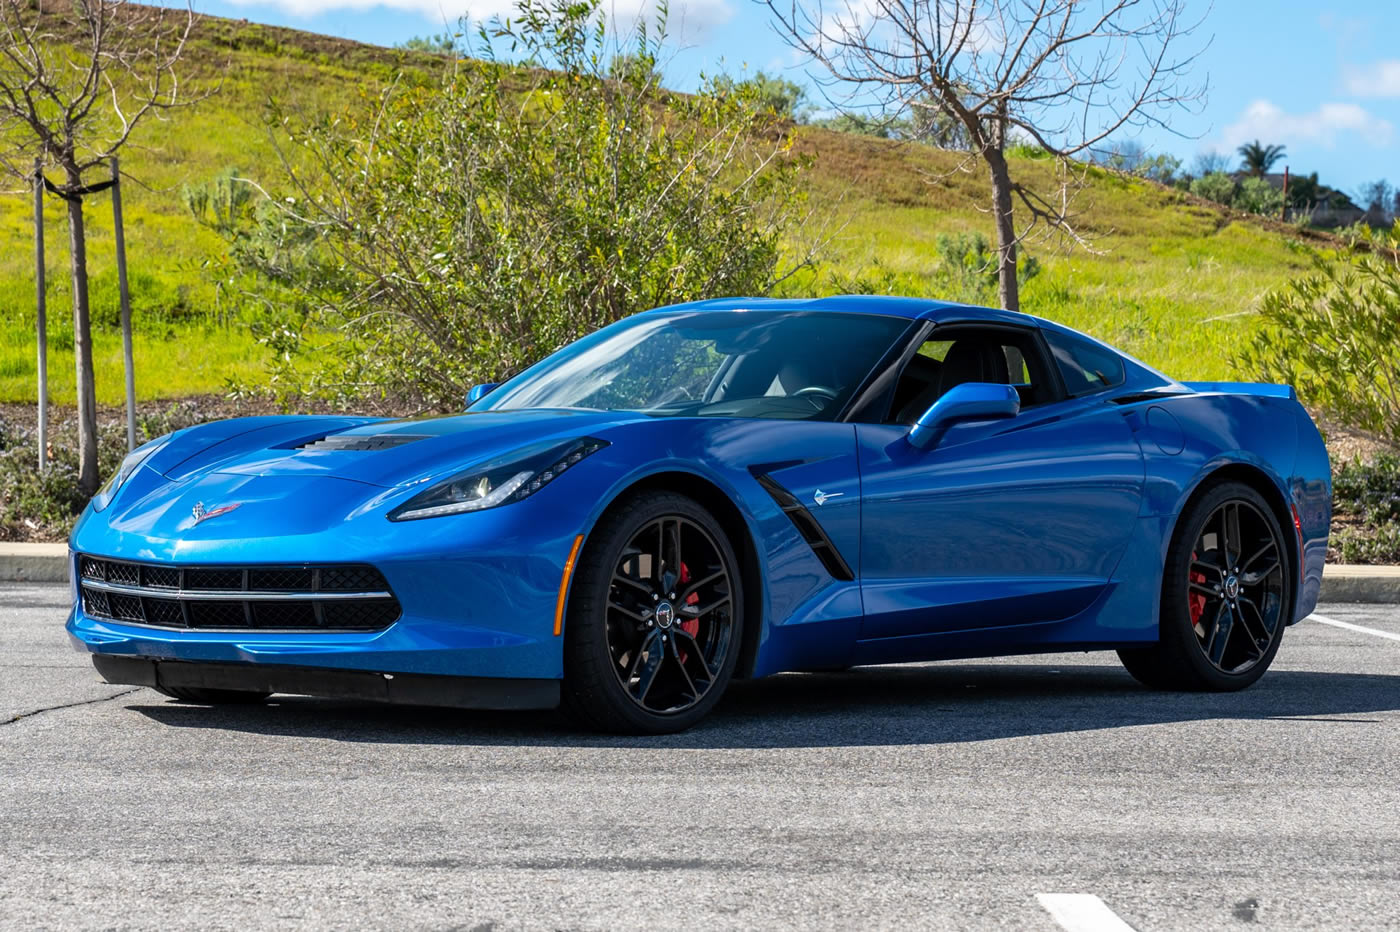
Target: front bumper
{"type": "Point", "coordinates": [477, 593]}
{"type": "Point", "coordinates": [399, 688]}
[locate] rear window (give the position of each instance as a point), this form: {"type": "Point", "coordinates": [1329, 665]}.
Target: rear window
{"type": "Point", "coordinates": [1086, 367]}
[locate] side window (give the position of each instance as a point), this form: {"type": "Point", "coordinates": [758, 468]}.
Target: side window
{"type": "Point", "coordinates": [1085, 367]}
{"type": "Point", "coordinates": [961, 354]}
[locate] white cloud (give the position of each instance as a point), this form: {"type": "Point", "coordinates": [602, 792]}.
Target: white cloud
{"type": "Point", "coordinates": [1378, 79]}
{"type": "Point", "coordinates": [688, 18]}
{"type": "Point", "coordinates": [1269, 123]}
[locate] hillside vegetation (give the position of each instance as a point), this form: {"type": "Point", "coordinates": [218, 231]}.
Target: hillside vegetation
{"type": "Point", "coordinates": [1172, 280]}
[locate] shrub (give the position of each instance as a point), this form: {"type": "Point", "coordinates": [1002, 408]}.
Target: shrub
{"type": "Point", "coordinates": [779, 96]}
{"type": "Point", "coordinates": [460, 232]}
{"type": "Point", "coordinates": [1216, 186]}
{"type": "Point", "coordinates": [1257, 196]}
{"type": "Point", "coordinates": [1366, 498]}
{"type": "Point", "coordinates": [44, 505]}
{"type": "Point", "coordinates": [1334, 335]}
{"type": "Point", "coordinates": [968, 263]}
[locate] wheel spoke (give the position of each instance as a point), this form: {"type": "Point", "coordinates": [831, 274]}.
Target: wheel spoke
{"type": "Point", "coordinates": [1233, 544]}
{"type": "Point", "coordinates": [650, 657]}
{"type": "Point", "coordinates": [629, 612]}
{"type": "Point", "coordinates": [680, 665]}
{"type": "Point", "coordinates": [634, 583]}
{"type": "Point", "coordinates": [693, 650]}
{"type": "Point", "coordinates": [695, 585]}
{"type": "Point", "coordinates": [1200, 566]}
{"type": "Point", "coordinates": [1209, 592]}
{"type": "Point", "coordinates": [659, 559]}
{"type": "Point", "coordinates": [1220, 636]}
{"type": "Point", "coordinates": [698, 611]}
{"type": "Point", "coordinates": [676, 558]}
{"type": "Point", "coordinates": [1253, 579]}
{"type": "Point", "coordinates": [1260, 636]}
{"type": "Point", "coordinates": [1267, 548]}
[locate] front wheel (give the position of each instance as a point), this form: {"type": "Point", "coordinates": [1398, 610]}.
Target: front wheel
{"type": "Point", "coordinates": [655, 617]}
{"type": "Point", "coordinates": [1227, 592]}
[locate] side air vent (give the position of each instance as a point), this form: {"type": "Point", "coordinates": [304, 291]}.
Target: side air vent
{"type": "Point", "coordinates": [1139, 397]}
{"type": "Point", "coordinates": [360, 443]}
{"type": "Point", "coordinates": [808, 526]}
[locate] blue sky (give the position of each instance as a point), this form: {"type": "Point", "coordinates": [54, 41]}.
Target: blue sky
{"type": "Point", "coordinates": [1323, 83]}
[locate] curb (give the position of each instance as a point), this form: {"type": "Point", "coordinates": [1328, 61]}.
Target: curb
{"type": "Point", "coordinates": [1349, 583]}
{"type": "Point", "coordinates": [33, 563]}
{"type": "Point", "coordinates": [48, 563]}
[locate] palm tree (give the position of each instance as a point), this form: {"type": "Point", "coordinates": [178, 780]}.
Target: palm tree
{"type": "Point", "coordinates": [1258, 159]}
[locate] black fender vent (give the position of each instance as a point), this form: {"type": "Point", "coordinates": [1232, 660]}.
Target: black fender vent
{"type": "Point", "coordinates": [810, 529]}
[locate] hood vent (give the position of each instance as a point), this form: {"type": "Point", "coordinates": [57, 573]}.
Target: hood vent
{"type": "Point", "coordinates": [360, 443]}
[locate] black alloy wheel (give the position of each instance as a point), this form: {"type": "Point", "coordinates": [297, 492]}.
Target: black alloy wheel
{"type": "Point", "coordinates": [654, 620]}
{"type": "Point", "coordinates": [1235, 586]}
{"type": "Point", "coordinates": [670, 620]}
{"type": "Point", "coordinates": [1227, 595]}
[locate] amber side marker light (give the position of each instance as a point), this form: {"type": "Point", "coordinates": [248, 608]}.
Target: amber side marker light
{"type": "Point", "coordinates": [564, 586]}
{"type": "Point", "coordinates": [1298, 529]}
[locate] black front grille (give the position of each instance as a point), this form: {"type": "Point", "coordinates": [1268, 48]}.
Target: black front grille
{"type": "Point", "coordinates": [291, 580]}
{"type": "Point", "coordinates": [213, 579]}
{"type": "Point", "coordinates": [351, 577]}
{"type": "Point", "coordinates": [209, 614]}
{"type": "Point", "coordinates": [339, 597]}
{"type": "Point", "coordinates": [163, 612]}
{"type": "Point", "coordinates": [161, 577]}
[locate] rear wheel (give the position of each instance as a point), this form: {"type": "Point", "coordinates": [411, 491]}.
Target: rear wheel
{"type": "Point", "coordinates": [1227, 592]}
{"type": "Point", "coordinates": [212, 696]}
{"type": "Point", "coordinates": [654, 619]}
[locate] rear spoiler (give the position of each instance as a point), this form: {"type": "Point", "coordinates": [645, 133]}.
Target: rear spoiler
{"type": "Point", "coordinates": [1260, 389]}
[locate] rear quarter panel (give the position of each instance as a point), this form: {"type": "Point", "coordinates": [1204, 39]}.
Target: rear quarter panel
{"type": "Point", "coordinates": [1205, 431]}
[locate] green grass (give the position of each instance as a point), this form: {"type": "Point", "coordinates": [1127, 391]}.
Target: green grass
{"type": "Point", "coordinates": [1172, 280]}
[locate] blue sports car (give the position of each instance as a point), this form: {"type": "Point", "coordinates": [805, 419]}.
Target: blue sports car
{"type": "Point", "coordinates": [715, 490]}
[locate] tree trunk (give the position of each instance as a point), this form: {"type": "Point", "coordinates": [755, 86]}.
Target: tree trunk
{"type": "Point", "coordinates": [1008, 288]}
{"type": "Point", "coordinates": [82, 345]}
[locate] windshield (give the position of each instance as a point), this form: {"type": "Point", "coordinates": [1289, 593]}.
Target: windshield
{"type": "Point", "coordinates": [778, 364]}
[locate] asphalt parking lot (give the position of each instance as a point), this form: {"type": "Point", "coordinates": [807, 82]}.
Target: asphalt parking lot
{"type": "Point", "coordinates": [934, 796]}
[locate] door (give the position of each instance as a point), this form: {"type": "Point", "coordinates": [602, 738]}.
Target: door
{"type": "Point", "coordinates": [1004, 522]}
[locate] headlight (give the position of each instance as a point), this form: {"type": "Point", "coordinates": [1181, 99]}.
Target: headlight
{"type": "Point", "coordinates": [517, 477]}
{"type": "Point", "coordinates": [133, 459]}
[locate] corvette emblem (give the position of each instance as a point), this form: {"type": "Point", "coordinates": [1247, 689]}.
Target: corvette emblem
{"type": "Point", "coordinates": [821, 496]}
{"type": "Point", "coordinates": [201, 514]}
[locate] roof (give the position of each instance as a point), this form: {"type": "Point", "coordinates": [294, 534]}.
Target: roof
{"type": "Point", "coordinates": [911, 308]}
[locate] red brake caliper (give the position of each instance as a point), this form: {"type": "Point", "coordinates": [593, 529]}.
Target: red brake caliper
{"type": "Point", "coordinates": [690, 626]}
{"type": "Point", "coordinates": [1195, 602]}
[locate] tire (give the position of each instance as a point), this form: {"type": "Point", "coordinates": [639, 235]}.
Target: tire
{"type": "Point", "coordinates": [630, 604]}
{"type": "Point", "coordinates": [205, 696]}
{"type": "Point", "coordinates": [1224, 608]}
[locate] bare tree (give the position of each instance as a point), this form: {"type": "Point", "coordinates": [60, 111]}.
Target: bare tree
{"type": "Point", "coordinates": [1376, 197]}
{"type": "Point", "coordinates": [1210, 162]}
{"type": "Point", "coordinates": [1063, 75]}
{"type": "Point", "coordinates": [76, 80]}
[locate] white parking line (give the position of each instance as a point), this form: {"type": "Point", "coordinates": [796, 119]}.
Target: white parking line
{"type": "Point", "coordinates": [1351, 627]}
{"type": "Point", "coordinates": [1082, 912]}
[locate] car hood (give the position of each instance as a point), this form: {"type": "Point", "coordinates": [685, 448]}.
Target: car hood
{"type": "Point", "coordinates": [386, 453]}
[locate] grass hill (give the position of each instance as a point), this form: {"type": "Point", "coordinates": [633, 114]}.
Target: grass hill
{"type": "Point", "coordinates": [1172, 279]}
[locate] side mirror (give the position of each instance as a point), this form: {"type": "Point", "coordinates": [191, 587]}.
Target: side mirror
{"type": "Point", "coordinates": [480, 391]}
{"type": "Point", "coordinates": [970, 401]}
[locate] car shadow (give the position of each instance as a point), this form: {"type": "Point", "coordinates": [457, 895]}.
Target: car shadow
{"type": "Point", "coordinates": [926, 704]}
